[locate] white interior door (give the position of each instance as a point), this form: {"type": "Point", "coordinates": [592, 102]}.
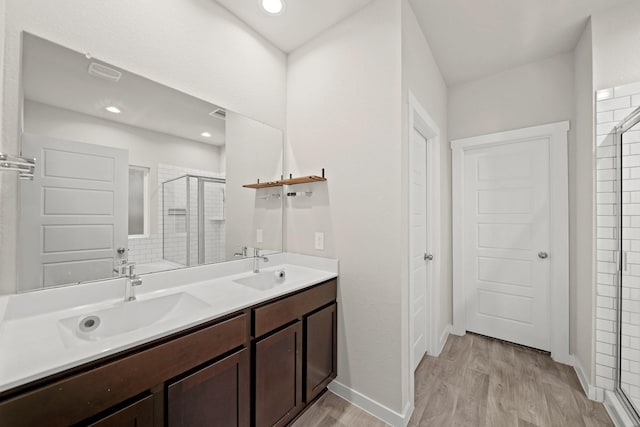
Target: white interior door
{"type": "Point", "coordinates": [74, 214]}
{"type": "Point", "coordinates": [506, 235]}
{"type": "Point", "coordinates": [418, 245]}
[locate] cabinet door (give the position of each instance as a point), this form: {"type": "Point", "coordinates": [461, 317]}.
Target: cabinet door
{"type": "Point", "coordinates": [217, 395]}
{"type": "Point", "coordinates": [139, 414]}
{"type": "Point", "coordinates": [321, 345]}
{"type": "Point", "coordinates": [279, 377]}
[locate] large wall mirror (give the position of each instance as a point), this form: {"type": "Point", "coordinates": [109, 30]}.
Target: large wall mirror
{"type": "Point", "coordinates": [129, 170]}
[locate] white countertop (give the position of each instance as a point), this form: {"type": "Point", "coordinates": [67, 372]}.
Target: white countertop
{"type": "Point", "coordinates": [32, 340]}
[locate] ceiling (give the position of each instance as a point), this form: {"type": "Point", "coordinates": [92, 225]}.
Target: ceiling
{"type": "Point", "coordinates": [475, 38]}
{"type": "Point", "coordinates": [57, 76]}
{"type": "Point", "coordinates": [301, 21]}
{"type": "Point", "coordinates": [469, 38]}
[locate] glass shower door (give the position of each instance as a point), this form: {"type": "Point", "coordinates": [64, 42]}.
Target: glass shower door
{"type": "Point", "coordinates": [175, 221]}
{"type": "Point", "coordinates": [212, 232]}
{"type": "Point", "coordinates": [628, 138]}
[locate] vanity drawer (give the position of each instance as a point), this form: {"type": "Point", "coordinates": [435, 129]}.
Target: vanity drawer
{"type": "Point", "coordinates": [273, 315]}
{"type": "Point", "coordinates": [78, 397]}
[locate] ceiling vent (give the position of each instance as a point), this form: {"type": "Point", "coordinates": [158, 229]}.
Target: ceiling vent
{"type": "Point", "coordinates": [219, 113]}
{"type": "Point", "coordinates": [104, 72]}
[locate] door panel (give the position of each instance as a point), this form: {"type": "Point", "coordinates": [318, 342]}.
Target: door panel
{"type": "Point", "coordinates": [73, 201]}
{"type": "Point", "coordinates": [506, 224]}
{"type": "Point", "coordinates": [74, 212]}
{"type": "Point", "coordinates": [418, 245]}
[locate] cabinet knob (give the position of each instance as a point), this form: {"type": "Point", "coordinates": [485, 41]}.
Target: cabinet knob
{"type": "Point", "coordinates": [428, 257]}
{"type": "Point", "coordinates": [543, 255]}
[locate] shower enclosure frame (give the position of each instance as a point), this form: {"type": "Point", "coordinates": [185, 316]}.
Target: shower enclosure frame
{"type": "Point", "coordinates": [625, 125]}
{"type": "Point", "coordinates": [201, 181]}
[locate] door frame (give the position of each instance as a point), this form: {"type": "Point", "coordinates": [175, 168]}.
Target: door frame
{"type": "Point", "coordinates": [422, 122]}
{"type": "Point", "coordinates": [556, 134]}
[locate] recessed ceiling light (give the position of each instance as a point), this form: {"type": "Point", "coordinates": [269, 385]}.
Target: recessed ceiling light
{"type": "Point", "coordinates": [273, 7]}
{"type": "Point", "coordinates": [113, 109]}
{"type": "Point", "coordinates": [206, 134]}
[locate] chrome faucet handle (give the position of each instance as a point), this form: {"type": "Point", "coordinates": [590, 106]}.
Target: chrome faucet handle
{"type": "Point", "coordinates": [242, 253]}
{"type": "Point", "coordinates": [131, 266]}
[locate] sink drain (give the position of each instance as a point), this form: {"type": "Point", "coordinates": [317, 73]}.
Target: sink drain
{"type": "Point", "coordinates": [89, 324]}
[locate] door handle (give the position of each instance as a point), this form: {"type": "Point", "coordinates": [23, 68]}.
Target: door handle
{"type": "Point", "coordinates": [543, 255]}
{"type": "Point", "coordinates": [428, 257]}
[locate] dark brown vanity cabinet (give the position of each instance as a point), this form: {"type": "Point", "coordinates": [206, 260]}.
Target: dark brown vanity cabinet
{"type": "Point", "coordinates": [138, 414]}
{"type": "Point", "coordinates": [217, 395]}
{"type": "Point", "coordinates": [295, 352]}
{"type": "Point", "coordinates": [278, 384]}
{"type": "Point", "coordinates": [260, 367]}
{"type": "Point", "coordinates": [321, 350]}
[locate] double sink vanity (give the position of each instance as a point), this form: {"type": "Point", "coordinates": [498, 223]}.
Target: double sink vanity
{"type": "Point", "coordinates": [205, 346]}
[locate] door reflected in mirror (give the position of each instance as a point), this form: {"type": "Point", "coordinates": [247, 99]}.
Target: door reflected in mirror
{"type": "Point", "coordinates": [131, 171]}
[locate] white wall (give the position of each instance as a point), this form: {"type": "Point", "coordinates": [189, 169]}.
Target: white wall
{"type": "Point", "coordinates": [581, 181]}
{"type": "Point", "coordinates": [616, 37]}
{"type": "Point", "coordinates": [421, 76]}
{"type": "Point", "coordinates": [533, 94]}
{"type": "Point", "coordinates": [194, 46]}
{"type": "Point", "coordinates": [343, 114]}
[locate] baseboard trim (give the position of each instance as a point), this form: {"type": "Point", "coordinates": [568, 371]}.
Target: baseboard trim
{"type": "Point", "coordinates": [369, 405]}
{"type": "Point", "coordinates": [564, 358]}
{"type": "Point", "coordinates": [443, 340]}
{"type": "Point", "coordinates": [615, 410]}
{"type": "Point", "coordinates": [593, 393]}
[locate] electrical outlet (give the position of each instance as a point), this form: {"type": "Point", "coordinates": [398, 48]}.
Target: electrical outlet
{"type": "Point", "coordinates": [259, 237]}
{"type": "Point", "coordinates": [319, 241]}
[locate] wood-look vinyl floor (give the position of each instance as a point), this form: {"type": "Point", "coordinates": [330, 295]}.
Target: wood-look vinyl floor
{"type": "Point", "coordinates": [481, 382]}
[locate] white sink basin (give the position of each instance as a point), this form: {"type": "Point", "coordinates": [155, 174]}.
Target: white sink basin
{"type": "Point", "coordinates": [128, 316]}
{"type": "Point", "coordinates": [262, 281]}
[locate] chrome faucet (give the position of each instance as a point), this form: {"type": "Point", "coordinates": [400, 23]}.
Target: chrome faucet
{"type": "Point", "coordinates": [132, 280]}
{"type": "Point", "coordinates": [256, 260]}
{"type": "Point", "coordinates": [242, 253]}
{"type": "Point", "coordinates": [120, 267]}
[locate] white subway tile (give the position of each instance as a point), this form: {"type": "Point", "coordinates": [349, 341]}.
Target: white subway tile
{"type": "Point", "coordinates": [605, 313]}
{"type": "Point", "coordinates": [619, 115]}
{"type": "Point", "coordinates": [605, 325]}
{"type": "Point", "coordinates": [605, 128]}
{"type": "Point", "coordinates": [604, 371]}
{"type": "Point", "coordinates": [605, 383]}
{"type": "Point", "coordinates": [626, 90]}
{"type": "Point", "coordinates": [604, 140]}
{"type": "Point", "coordinates": [606, 175]}
{"type": "Point", "coordinates": [613, 104]}
{"type": "Point", "coordinates": [605, 348]}
{"type": "Point", "coordinates": [604, 117]}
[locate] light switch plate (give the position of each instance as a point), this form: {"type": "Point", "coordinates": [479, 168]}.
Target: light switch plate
{"type": "Point", "coordinates": [259, 237]}
{"type": "Point", "coordinates": [319, 241]}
